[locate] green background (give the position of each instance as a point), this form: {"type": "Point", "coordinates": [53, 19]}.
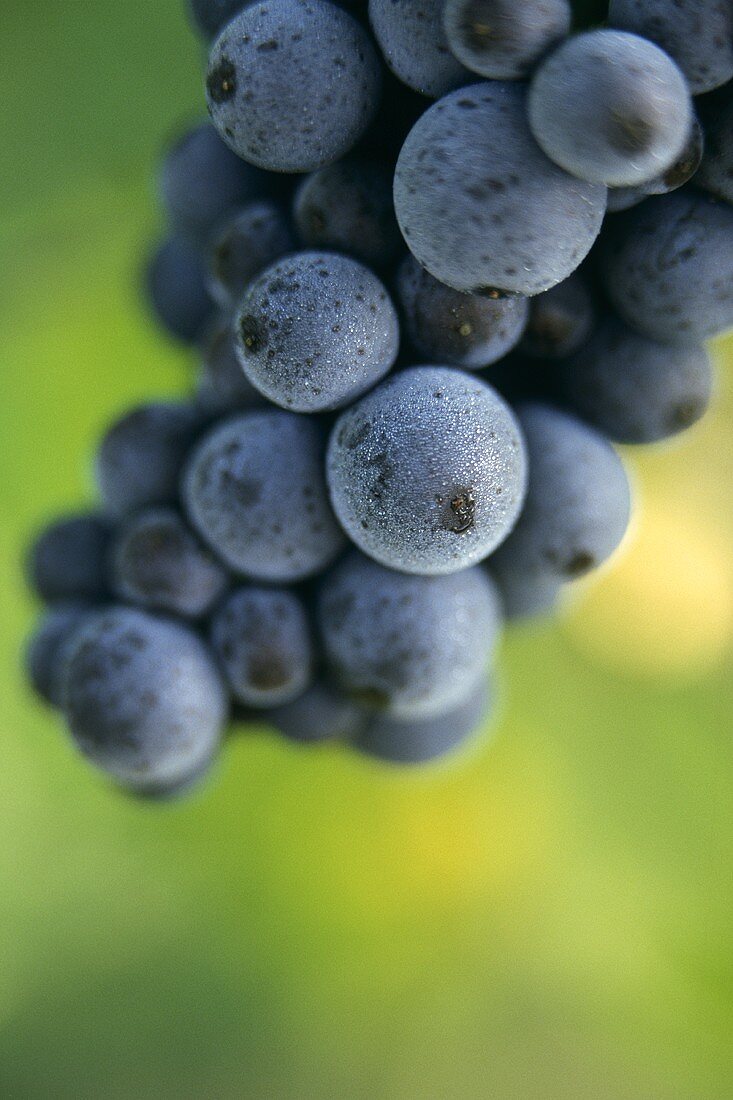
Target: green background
{"type": "Point", "coordinates": [550, 917]}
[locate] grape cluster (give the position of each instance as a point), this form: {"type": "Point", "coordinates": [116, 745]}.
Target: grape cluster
{"type": "Point", "coordinates": [436, 258]}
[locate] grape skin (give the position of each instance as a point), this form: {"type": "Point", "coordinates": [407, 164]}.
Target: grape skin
{"type": "Point", "coordinates": [222, 384]}
{"type": "Point", "coordinates": [667, 266]}
{"type": "Point", "coordinates": [45, 650]}
{"type": "Point", "coordinates": [623, 198]}
{"type": "Point", "coordinates": [677, 175]}
{"type": "Point", "coordinates": [636, 390]}
{"type": "Point", "coordinates": [202, 181]}
{"type": "Point", "coordinates": [162, 791]}
{"type": "Point", "coordinates": [68, 559]}
{"type": "Point", "coordinates": [142, 697]}
{"type": "Point", "coordinates": [140, 456]}
{"type": "Point", "coordinates": [158, 563]}
{"type": "Point", "coordinates": [410, 647]}
{"type": "Point", "coordinates": [524, 594]}
{"type": "Point", "coordinates": [716, 169]}
{"type": "Point", "coordinates": [503, 39]}
{"type": "Point", "coordinates": [211, 15]}
{"type": "Point", "coordinates": [578, 498]}
{"type": "Point", "coordinates": [424, 740]}
{"type": "Point", "coordinates": [245, 245]}
{"type": "Point", "coordinates": [446, 326]}
{"type": "Point", "coordinates": [292, 84]}
{"type": "Point", "coordinates": [348, 207]}
{"type": "Point", "coordinates": [262, 640]}
{"type": "Point", "coordinates": [254, 489]}
{"type": "Point", "coordinates": [315, 330]}
{"type": "Point", "coordinates": [698, 34]}
{"type": "Point", "coordinates": [427, 473]}
{"type": "Point", "coordinates": [322, 713]}
{"type": "Point", "coordinates": [412, 40]}
{"type": "Point", "coordinates": [611, 108]}
{"type": "Point", "coordinates": [560, 320]}
{"type": "Point", "coordinates": [177, 290]}
{"type": "Point", "coordinates": [684, 167]}
{"type": "Point", "coordinates": [480, 205]}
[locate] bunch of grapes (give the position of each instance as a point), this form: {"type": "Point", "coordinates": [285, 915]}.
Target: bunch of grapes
{"type": "Point", "coordinates": [437, 257]}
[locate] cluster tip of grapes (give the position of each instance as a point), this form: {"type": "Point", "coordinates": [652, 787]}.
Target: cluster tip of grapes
{"type": "Point", "coordinates": [437, 258]}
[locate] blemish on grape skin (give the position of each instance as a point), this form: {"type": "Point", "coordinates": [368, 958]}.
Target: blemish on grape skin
{"type": "Point", "coordinates": [253, 334]}
{"type": "Point", "coordinates": [221, 82]}
{"type": "Point", "coordinates": [463, 507]}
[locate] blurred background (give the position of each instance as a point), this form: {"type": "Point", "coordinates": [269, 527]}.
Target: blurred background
{"type": "Point", "coordinates": [550, 918]}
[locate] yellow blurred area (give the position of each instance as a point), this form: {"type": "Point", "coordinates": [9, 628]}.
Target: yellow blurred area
{"type": "Point", "coordinates": [664, 608]}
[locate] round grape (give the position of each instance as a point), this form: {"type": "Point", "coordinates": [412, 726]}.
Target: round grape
{"type": "Point", "coordinates": [202, 181]}
{"type": "Point", "coordinates": [254, 489]}
{"type": "Point", "coordinates": [677, 175]}
{"type": "Point", "coordinates": [684, 167]}
{"type": "Point", "coordinates": [222, 384]}
{"type": "Point", "coordinates": [610, 108]}
{"type": "Point", "coordinates": [177, 290]}
{"type": "Point", "coordinates": [262, 640]}
{"type": "Point", "coordinates": [412, 40]}
{"type": "Point", "coordinates": [292, 84]}
{"type": "Point", "coordinates": [560, 320]}
{"type": "Point", "coordinates": [427, 473]}
{"type": "Point", "coordinates": [163, 792]}
{"type": "Point", "coordinates": [578, 498]}
{"type": "Point", "coordinates": [524, 594]}
{"type": "Point", "coordinates": [422, 740]}
{"type": "Point", "coordinates": [348, 207]}
{"type": "Point", "coordinates": [322, 713]}
{"type": "Point", "coordinates": [142, 697]}
{"type": "Point", "coordinates": [159, 563]}
{"type": "Point", "coordinates": [409, 646]}
{"type": "Point", "coordinates": [68, 560]}
{"type": "Point", "coordinates": [248, 243]}
{"type": "Point", "coordinates": [140, 456]}
{"type": "Point", "coordinates": [448, 326]}
{"type": "Point", "coordinates": [667, 266]}
{"type": "Point", "coordinates": [503, 39]}
{"type": "Point", "coordinates": [46, 648]}
{"type": "Point", "coordinates": [315, 330]}
{"type": "Point", "coordinates": [698, 34]}
{"type": "Point", "coordinates": [481, 206]}
{"type": "Point", "coordinates": [636, 390]}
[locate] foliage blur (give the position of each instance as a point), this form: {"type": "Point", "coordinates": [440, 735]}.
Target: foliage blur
{"type": "Point", "coordinates": [549, 918]}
